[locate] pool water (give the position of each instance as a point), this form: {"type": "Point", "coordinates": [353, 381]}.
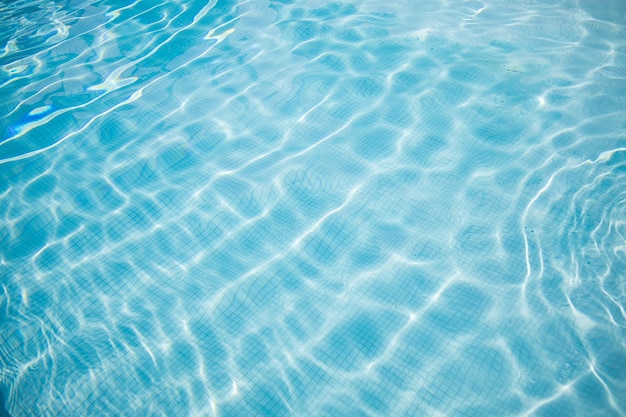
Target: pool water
{"type": "Point", "coordinates": [313, 208]}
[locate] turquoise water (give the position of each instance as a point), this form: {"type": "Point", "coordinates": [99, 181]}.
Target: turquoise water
{"type": "Point", "coordinates": [290, 208]}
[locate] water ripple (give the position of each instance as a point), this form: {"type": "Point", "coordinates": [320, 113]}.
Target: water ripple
{"type": "Point", "coordinates": [312, 208]}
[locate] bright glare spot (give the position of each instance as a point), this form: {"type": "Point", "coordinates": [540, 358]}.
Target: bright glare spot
{"type": "Point", "coordinates": [422, 35]}
{"type": "Point", "coordinates": [40, 110]}
{"type": "Point", "coordinates": [542, 101]}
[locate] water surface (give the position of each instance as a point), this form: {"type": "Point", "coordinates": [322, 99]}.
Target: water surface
{"type": "Point", "coordinates": [290, 208]}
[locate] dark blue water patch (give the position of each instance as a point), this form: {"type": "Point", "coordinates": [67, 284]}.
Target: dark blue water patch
{"type": "Point", "coordinates": [3, 405]}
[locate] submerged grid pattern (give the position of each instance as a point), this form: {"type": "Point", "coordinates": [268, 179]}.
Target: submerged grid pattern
{"type": "Point", "coordinates": [302, 209]}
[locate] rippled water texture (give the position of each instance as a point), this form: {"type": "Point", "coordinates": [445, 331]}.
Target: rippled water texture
{"type": "Point", "coordinates": [290, 208]}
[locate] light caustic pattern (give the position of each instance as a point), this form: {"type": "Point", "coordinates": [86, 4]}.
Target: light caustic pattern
{"type": "Point", "coordinates": [290, 208]}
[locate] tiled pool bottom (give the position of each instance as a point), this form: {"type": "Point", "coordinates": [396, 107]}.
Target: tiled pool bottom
{"type": "Point", "coordinates": [290, 208]}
